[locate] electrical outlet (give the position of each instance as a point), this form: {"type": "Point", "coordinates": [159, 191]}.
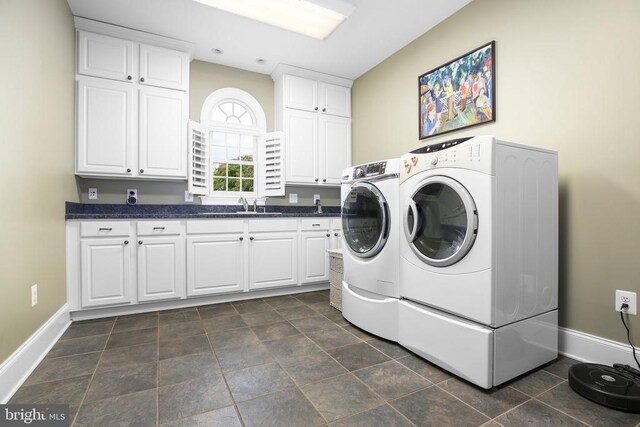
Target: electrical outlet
{"type": "Point", "coordinates": [34, 295]}
{"type": "Point", "coordinates": [293, 197]}
{"type": "Point", "coordinates": [316, 197]}
{"type": "Point", "coordinates": [93, 194]}
{"type": "Point", "coordinates": [188, 197]}
{"type": "Point", "coordinates": [626, 297]}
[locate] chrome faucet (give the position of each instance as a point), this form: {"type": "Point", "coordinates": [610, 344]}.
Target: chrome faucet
{"type": "Point", "coordinates": [244, 203]}
{"type": "Point", "coordinates": [318, 206]}
{"type": "Point", "coordinates": [255, 205]}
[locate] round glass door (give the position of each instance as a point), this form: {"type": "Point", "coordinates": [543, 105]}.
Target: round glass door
{"type": "Point", "coordinates": [441, 222]}
{"type": "Point", "coordinates": [365, 220]}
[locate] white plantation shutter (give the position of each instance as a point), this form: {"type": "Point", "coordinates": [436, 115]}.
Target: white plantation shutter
{"type": "Point", "coordinates": [198, 160]}
{"type": "Point", "coordinates": [271, 158]}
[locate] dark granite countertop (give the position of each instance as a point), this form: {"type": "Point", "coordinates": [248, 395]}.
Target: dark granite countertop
{"type": "Point", "coordinates": [120, 211]}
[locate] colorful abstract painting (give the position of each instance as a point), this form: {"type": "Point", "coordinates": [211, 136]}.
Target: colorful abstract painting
{"type": "Point", "coordinates": [458, 94]}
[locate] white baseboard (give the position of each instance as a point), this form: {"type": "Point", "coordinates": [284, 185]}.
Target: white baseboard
{"type": "Point", "coordinates": [15, 370]}
{"type": "Point", "coordinates": [590, 348]}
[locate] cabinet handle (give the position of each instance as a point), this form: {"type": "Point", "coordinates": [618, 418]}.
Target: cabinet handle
{"type": "Point", "coordinates": [316, 108]}
{"type": "Point", "coordinates": [142, 79]}
{"type": "Point", "coordinates": [317, 179]}
{"type": "Point", "coordinates": [335, 234]}
{"type": "Point", "coordinates": [315, 225]}
{"type": "Point", "coordinates": [128, 170]}
{"type": "Point", "coordinates": [141, 170]}
{"type": "Point", "coordinates": [241, 238]}
{"type": "Point", "coordinates": [324, 110]}
{"type": "Point", "coordinates": [105, 229]}
{"type": "Point", "coordinates": [324, 180]}
{"type": "Point", "coordinates": [126, 242]}
{"type": "Point", "coordinates": [128, 77]}
{"type": "Point", "coordinates": [251, 238]}
{"type": "Point", "coordinates": [139, 242]}
{"type": "Point", "coordinates": [158, 228]}
{"type": "Point", "coordinates": [328, 234]}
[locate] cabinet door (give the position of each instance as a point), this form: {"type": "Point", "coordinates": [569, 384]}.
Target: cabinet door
{"type": "Point", "coordinates": [301, 144]}
{"type": "Point", "coordinates": [300, 93]}
{"type": "Point", "coordinates": [164, 67]}
{"type": "Point", "coordinates": [314, 260]}
{"type": "Point", "coordinates": [163, 133]}
{"type": "Point", "coordinates": [161, 268]}
{"type": "Point", "coordinates": [104, 56]}
{"type": "Point", "coordinates": [272, 260]}
{"type": "Point", "coordinates": [215, 264]}
{"type": "Point", "coordinates": [105, 127]}
{"type": "Point", "coordinates": [106, 271]}
{"type": "Point", "coordinates": [334, 100]}
{"type": "Point", "coordinates": [336, 234]}
{"type": "Point", "coordinates": [335, 148]}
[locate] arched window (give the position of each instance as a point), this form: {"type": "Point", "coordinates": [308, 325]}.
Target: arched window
{"type": "Point", "coordinates": [234, 122]}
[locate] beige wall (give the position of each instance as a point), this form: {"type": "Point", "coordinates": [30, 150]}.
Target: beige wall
{"type": "Point", "coordinates": [566, 79]}
{"type": "Point", "coordinates": [205, 78]}
{"type": "Point", "coordinates": [36, 164]}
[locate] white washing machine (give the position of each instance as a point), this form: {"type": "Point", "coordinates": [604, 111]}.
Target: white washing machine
{"type": "Point", "coordinates": [479, 257]}
{"type": "Point", "coordinates": [370, 226]}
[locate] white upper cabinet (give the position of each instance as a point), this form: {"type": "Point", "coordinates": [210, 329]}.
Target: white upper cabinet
{"type": "Point", "coordinates": [334, 99]}
{"type": "Point", "coordinates": [301, 94]}
{"type": "Point", "coordinates": [133, 110]}
{"type": "Point", "coordinates": [162, 133]}
{"type": "Point", "coordinates": [164, 67]}
{"type": "Point", "coordinates": [105, 117]}
{"type": "Point", "coordinates": [334, 148]}
{"type": "Point", "coordinates": [119, 59]}
{"type": "Point", "coordinates": [314, 111]}
{"type": "Point", "coordinates": [311, 95]}
{"type": "Point", "coordinates": [104, 56]}
{"type": "Point", "coordinates": [301, 127]}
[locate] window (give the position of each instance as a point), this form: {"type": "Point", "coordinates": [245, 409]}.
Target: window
{"type": "Point", "coordinates": [234, 124]}
{"type": "Point", "coordinates": [233, 156]}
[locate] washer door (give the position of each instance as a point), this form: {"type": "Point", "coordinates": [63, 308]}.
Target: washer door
{"type": "Point", "coordinates": [441, 221]}
{"type": "Point", "coordinates": [365, 220]}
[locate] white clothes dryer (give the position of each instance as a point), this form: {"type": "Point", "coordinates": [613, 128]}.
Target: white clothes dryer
{"type": "Point", "coordinates": [479, 257]}
{"type": "Point", "coordinates": [370, 226]}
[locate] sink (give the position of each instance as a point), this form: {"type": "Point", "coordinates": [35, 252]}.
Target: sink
{"type": "Point", "coordinates": [240, 213]}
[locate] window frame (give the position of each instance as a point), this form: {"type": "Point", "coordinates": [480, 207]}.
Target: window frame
{"type": "Point", "coordinates": [257, 132]}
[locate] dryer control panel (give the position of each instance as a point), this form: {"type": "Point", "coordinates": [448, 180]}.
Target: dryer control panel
{"type": "Point", "coordinates": [466, 153]}
{"type": "Point", "coordinates": [372, 170]}
{"type": "Point", "coordinates": [369, 170]}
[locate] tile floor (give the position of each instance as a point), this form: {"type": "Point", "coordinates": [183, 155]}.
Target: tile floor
{"type": "Point", "coordinates": [283, 361]}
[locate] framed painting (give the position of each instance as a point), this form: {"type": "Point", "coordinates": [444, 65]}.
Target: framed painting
{"type": "Point", "coordinates": [458, 94]}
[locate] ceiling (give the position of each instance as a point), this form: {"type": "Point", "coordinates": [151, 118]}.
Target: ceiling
{"type": "Point", "coordinates": [374, 31]}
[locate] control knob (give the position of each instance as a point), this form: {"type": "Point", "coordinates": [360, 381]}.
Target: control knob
{"type": "Point", "coordinates": [434, 161]}
{"type": "Point", "coordinates": [358, 173]}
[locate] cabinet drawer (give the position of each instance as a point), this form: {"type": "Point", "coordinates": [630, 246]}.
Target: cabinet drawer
{"type": "Point", "coordinates": [104, 229]}
{"type": "Point", "coordinates": [273, 225]}
{"type": "Point", "coordinates": [315, 224]}
{"type": "Point", "coordinates": [158, 228]}
{"type": "Point", "coordinates": [215, 226]}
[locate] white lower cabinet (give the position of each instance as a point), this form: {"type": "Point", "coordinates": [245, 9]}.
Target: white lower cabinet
{"type": "Point", "coordinates": [272, 259]}
{"type": "Point", "coordinates": [314, 241]}
{"type": "Point", "coordinates": [336, 234]}
{"type": "Point", "coordinates": [161, 268]}
{"type": "Point", "coordinates": [105, 264]}
{"type": "Point", "coordinates": [215, 264]}
{"type": "Point", "coordinates": [115, 263]}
